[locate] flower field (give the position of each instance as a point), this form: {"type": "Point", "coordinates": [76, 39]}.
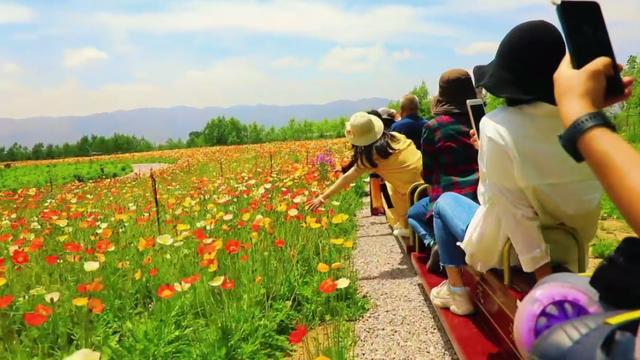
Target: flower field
{"type": "Point", "coordinates": [227, 265]}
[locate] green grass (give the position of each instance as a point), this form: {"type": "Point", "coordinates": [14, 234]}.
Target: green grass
{"type": "Point", "coordinates": [35, 176]}
{"type": "Point", "coordinates": [601, 248]}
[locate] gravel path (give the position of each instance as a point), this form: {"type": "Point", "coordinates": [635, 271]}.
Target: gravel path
{"type": "Point", "coordinates": [401, 324]}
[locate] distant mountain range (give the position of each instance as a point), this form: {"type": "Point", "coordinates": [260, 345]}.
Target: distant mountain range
{"type": "Point", "coordinates": [159, 124]}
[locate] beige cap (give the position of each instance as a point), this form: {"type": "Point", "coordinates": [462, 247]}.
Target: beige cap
{"type": "Point", "coordinates": [363, 129]}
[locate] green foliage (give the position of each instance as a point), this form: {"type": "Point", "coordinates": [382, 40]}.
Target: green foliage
{"type": "Point", "coordinates": [609, 209]}
{"type": "Point", "coordinates": [422, 92]}
{"type": "Point", "coordinates": [86, 146]}
{"type": "Point", "coordinates": [493, 102]}
{"type": "Point", "coordinates": [601, 248]}
{"type": "Point", "coordinates": [230, 131]}
{"type": "Point", "coordinates": [38, 176]}
{"type": "Point", "coordinates": [628, 119]}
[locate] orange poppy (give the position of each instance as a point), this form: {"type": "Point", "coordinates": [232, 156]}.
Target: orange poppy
{"type": "Point", "coordinates": [279, 243]}
{"type": "Point", "coordinates": [43, 310]}
{"type": "Point", "coordinates": [95, 305]}
{"type": "Point", "coordinates": [166, 291]}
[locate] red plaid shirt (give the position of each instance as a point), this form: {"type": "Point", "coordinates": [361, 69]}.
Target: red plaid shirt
{"type": "Point", "coordinates": [449, 160]}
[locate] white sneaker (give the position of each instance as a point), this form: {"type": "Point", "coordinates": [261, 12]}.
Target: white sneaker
{"type": "Point", "coordinates": [401, 232]}
{"type": "Point", "coordinates": [459, 303]}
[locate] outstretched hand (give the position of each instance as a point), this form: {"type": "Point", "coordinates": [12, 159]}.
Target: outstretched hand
{"type": "Point", "coordinates": [583, 90]}
{"type": "Point", "coordinates": [314, 204]}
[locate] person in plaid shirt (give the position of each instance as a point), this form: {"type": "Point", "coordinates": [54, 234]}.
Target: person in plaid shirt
{"type": "Point", "coordinates": [449, 159]}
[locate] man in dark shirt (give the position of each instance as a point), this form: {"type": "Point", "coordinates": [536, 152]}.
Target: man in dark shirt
{"type": "Point", "coordinates": [412, 123]}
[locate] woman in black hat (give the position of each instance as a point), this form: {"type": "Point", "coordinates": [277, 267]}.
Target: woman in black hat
{"type": "Point", "coordinates": [527, 181]}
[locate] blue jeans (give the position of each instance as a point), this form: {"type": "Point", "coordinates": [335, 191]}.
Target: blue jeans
{"type": "Point", "coordinates": [417, 218]}
{"type": "Point", "coordinates": [452, 214]}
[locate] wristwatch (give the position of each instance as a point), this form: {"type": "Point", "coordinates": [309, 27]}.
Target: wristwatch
{"type": "Point", "coordinates": [569, 138]}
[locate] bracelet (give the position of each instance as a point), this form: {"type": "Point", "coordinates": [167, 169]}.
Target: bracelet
{"type": "Point", "coordinates": [569, 138]}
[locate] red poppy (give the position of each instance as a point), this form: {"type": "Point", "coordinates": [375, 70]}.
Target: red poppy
{"type": "Point", "coordinates": [297, 335]}
{"type": "Point", "coordinates": [6, 301]}
{"type": "Point", "coordinates": [166, 291]}
{"type": "Point", "coordinates": [206, 248]}
{"type": "Point", "coordinates": [228, 284]}
{"type": "Point", "coordinates": [36, 244]}
{"type": "Point", "coordinates": [72, 247]}
{"type": "Point", "coordinates": [1, 261]}
{"type": "Point", "coordinates": [103, 246]}
{"type": "Point", "coordinates": [279, 243]}
{"type": "Point", "coordinates": [20, 257]}
{"type": "Point", "coordinates": [328, 286]}
{"type": "Point", "coordinates": [191, 279]}
{"type": "Point", "coordinates": [232, 247]}
{"type": "Point", "coordinates": [244, 258]}
{"type": "Point", "coordinates": [34, 319]}
{"type": "Point", "coordinates": [51, 259]}
{"type": "Point", "coordinates": [5, 237]}
{"type": "Point", "coordinates": [153, 272]}
{"type": "Point", "coordinates": [199, 234]}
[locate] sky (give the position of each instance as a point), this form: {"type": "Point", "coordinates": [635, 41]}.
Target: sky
{"type": "Point", "coordinates": [80, 57]}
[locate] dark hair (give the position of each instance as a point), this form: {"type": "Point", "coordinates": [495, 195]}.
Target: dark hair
{"type": "Point", "coordinates": [363, 155]}
{"type": "Point", "coordinates": [375, 113]}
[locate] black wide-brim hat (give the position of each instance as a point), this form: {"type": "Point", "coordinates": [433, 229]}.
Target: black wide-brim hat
{"type": "Point", "coordinates": [524, 63]}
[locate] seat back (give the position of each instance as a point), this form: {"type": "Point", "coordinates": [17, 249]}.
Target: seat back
{"type": "Point", "coordinates": [573, 235]}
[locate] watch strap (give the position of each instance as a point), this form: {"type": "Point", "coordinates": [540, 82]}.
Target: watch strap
{"type": "Point", "coordinates": [569, 138]}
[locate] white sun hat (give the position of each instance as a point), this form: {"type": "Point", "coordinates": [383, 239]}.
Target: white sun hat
{"type": "Point", "coordinates": [364, 129]}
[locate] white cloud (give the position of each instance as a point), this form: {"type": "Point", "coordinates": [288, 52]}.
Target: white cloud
{"type": "Point", "coordinates": [9, 68]}
{"type": "Point", "coordinates": [478, 48]}
{"type": "Point", "coordinates": [228, 82]}
{"type": "Point", "coordinates": [299, 18]}
{"type": "Point", "coordinates": [353, 59]}
{"type": "Point", "coordinates": [405, 54]}
{"type": "Point", "coordinates": [362, 59]}
{"type": "Point", "coordinates": [83, 56]}
{"type": "Point", "coordinates": [14, 13]}
{"type": "Point", "coordinates": [291, 62]}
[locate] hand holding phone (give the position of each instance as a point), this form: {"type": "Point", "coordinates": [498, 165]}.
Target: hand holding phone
{"type": "Point", "coordinates": [587, 38]}
{"type": "Point", "coordinates": [476, 113]}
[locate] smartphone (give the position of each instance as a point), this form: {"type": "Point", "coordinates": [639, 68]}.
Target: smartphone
{"type": "Point", "coordinates": [587, 38]}
{"type": "Point", "coordinates": [476, 113]}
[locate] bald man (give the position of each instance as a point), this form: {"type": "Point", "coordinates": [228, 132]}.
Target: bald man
{"type": "Point", "coordinates": [411, 123]}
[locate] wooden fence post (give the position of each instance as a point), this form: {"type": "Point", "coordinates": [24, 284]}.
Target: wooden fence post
{"type": "Point", "coordinates": [154, 188]}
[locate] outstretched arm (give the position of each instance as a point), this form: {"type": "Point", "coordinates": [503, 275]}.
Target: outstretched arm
{"type": "Point", "coordinates": [612, 159]}
{"type": "Point", "coordinates": [352, 175]}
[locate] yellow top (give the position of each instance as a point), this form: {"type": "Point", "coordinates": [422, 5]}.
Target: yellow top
{"type": "Point", "coordinates": [402, 169]}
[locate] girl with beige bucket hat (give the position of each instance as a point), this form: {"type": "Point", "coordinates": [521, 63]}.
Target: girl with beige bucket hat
{"type": "Point", "coordinates": [388, 154]}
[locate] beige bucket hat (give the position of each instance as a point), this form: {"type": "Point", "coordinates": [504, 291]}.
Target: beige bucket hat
{"type": "Point", "coordinates": [363, 129]}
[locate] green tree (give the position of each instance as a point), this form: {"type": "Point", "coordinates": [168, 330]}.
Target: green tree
{"type": "Point", "coordinates": [422, 92]}
{"type": "Point", "coordinates": [37, 152]}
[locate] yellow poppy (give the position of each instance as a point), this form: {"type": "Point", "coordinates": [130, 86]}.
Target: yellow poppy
{"type": "Point", "coordinates": [322, 267]}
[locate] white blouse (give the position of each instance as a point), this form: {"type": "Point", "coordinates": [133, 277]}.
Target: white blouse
{"type": "Point", "coordinates": [528, 181]}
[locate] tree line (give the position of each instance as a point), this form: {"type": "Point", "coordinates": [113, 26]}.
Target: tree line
{"type": "Point", "coordinates": [218, 131]}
